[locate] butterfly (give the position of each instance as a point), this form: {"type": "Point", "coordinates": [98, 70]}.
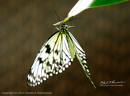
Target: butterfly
{"type": "Point", "coordinates": [57, 54]}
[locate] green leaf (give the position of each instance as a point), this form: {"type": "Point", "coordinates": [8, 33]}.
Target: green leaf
{"type": "Point", "coordinates": [82, 5]}
{"type": "Point", "coordinates": [98, 3]}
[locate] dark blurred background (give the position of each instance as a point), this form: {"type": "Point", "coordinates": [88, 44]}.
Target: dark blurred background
{"type": "Point", "coordinates": [103, 32]}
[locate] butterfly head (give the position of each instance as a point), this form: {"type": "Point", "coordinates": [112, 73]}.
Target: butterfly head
{"type": "Point", "coordinates": [63, 26]}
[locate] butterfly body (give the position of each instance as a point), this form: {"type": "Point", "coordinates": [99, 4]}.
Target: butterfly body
{"type": "Point", "coordinates": [56, 54]}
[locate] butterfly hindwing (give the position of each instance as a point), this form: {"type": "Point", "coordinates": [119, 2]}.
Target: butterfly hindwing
{"type": "Point", "coordinates": [81, 55]}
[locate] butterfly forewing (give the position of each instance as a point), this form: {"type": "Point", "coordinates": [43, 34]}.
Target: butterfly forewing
{"type": "Point", "coordinates": [53, 58]}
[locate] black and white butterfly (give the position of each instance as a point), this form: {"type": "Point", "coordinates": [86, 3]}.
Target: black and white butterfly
{"type": "Point", "coordinates": [57, 54]}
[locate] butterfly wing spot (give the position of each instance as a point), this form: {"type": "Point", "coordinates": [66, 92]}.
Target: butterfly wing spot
{"type": "Point", "coordinates": [47, 76]}
{"type": "Point", "coordinates": [84, 57]}
{"type": "Point", "coordinates": [57, 52]}
{"type": "Point", "coordinates": [56, 73]}
{"type": "Point", "coordinates": [48, 49]}
{"type": "Point", "coordinates": [51, 74]}
{"type": "Point", "coordinates": [54, 61]}
{"type": "Point", "coordinates": [40, 60]}
{"type": "Point", "coordinates": [60, 71]}
{"type": "Point", "coordinates": [60, 64]}
{"type": "Point", "coordinates": [41, 80]}
{"type": "Point", "coordinates": [69, 63]}
{"type": "Point", "coordinates": [44, 79]}
{"type": "Point", "coordinates": [63, 68]}
{"type": "Point", "coordinates": [84, 61]}
{"type": "Point", "coordinates": [88, 71]}
{"type": "Point", "coordinates": [66, 66]}
{"type": "Point", "coordinates": [49, 65]}
{"type": "Point", "coordinates": [38, 83]}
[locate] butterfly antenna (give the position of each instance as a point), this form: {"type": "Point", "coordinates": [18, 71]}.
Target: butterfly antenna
{"type": "Point", "coordinates": [56, 13]}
